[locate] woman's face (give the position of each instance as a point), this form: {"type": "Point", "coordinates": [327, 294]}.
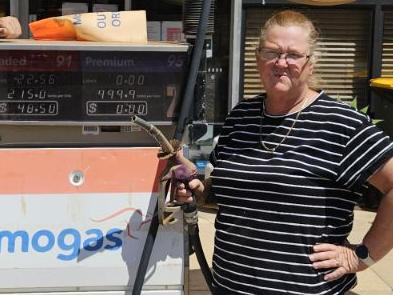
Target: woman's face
{"type": "Point", "coordinates": [283, 60]}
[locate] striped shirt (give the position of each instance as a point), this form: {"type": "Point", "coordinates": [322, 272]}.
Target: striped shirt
{"type": "Point", "coordinates": [273, 207]}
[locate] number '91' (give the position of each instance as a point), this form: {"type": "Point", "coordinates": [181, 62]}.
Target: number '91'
{"type": "Point", "coordinates": [63, 60]}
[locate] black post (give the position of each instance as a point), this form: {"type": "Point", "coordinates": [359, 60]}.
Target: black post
{"type": "Point", "coordinates": [188, 98]}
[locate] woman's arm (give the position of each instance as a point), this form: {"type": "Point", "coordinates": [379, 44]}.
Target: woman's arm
{"type": "Point", "coordinates": [379, 239]}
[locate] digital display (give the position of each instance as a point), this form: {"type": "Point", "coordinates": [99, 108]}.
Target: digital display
{"type": "Point", "coordinates": [90, 86]}
{"type": "Point", "coordinates": [29, 108]}
{"type": "Point", "coordinates": [118, 108]}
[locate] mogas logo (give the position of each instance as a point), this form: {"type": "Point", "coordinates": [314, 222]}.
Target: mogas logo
{"type": "Point", "coordinates": [68, 243]}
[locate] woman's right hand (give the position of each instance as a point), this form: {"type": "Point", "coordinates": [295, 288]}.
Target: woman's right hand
{"type": "Point", "coordinates": [185, 195]}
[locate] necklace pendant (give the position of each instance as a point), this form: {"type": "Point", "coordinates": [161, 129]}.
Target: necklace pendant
{"type": "Point", "coordinates": [270, 150]}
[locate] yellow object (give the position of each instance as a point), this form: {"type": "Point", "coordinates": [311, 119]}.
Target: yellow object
{"type": "Point", "coordinates": [119, 26]}
{"type": "Point", "coordinates": [382, 83]}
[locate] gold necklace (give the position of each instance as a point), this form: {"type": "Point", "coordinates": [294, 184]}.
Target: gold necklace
{"type": "Point", "coordinates": [272, 150]}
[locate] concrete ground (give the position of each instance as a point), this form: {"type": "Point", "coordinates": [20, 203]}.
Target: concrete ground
{"type": "Point", "coordinates": [377, 280]}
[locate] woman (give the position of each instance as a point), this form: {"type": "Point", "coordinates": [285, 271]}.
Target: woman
{"type": "Point", "coordinates": [289, 169]}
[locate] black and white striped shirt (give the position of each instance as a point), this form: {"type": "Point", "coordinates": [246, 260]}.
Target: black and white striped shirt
{"type": "Point", "coordinates": [273, 207]}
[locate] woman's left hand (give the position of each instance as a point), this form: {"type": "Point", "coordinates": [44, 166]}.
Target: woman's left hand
{"type": "Point", "coordinates": [342, 258]}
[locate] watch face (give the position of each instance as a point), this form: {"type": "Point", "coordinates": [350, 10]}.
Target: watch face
{"type": "Point", "coordinates": [361, 251]}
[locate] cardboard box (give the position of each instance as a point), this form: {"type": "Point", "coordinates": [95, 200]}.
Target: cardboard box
{"type": "Point", "coordinates": [172, 31]}
{"type": "Point", "coordinates": [105, 7]}
{"type": "Point", "coordinates": [74, 8]}
{"type": "Point", "coordinates": [154, 31]}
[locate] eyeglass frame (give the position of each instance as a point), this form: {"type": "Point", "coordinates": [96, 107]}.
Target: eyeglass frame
{"type": "Point", "coordinates": [279, 55]}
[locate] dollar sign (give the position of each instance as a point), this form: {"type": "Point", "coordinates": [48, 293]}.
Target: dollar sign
{"type": "Point", "coordinates": [3, 107]}
{"type": "Point", "coordinates": [92, 108]}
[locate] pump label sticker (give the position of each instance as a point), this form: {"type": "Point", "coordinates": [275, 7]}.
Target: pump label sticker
{"type": "Point", "coordinates": [60, 228]}
{"type": "Point", "coordinates": [68, 243]}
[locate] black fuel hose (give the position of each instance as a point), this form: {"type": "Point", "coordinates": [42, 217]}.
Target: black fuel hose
{"type": "Point", "coordinates": [153, 229]}
{"type": "Point", "coordinates": [191, 218]}
{"type": "Point", "coordinates": [188, 100]}
{"type": "Point", "coordinates": [197, 51]}
{"type": "Point", "coordinates": [182, 121]}
{"type": "Point", "coordinates": [147, 250]}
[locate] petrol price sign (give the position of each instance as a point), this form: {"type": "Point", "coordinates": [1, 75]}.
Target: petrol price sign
{"type": "Point", "coordinates": [90, 86]}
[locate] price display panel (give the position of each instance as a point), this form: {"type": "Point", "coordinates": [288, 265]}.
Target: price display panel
{"type": "Point", "coordinates": [94, 86]}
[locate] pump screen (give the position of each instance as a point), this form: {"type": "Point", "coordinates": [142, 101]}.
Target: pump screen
{"type": "Point", "coordinates": [90, 86]}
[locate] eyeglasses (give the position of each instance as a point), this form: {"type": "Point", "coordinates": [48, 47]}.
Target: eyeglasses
{"type": "Point", "coordinates": [274, 55]}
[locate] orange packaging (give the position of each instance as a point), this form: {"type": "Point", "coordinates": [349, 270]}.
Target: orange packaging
{"type": "Point", "coordinates": [53, 29]}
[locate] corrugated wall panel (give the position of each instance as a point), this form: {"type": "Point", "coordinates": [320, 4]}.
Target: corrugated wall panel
{"type": "Point", "coordinates": [387, 46]}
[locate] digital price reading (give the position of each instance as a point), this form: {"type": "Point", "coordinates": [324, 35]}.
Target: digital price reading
{"type": "Point", "coordinates": [90, 86]}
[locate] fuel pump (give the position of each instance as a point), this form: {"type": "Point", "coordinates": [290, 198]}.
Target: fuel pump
{"type": "Point", "coordinates": [67, 147]}
{"type": "Point", "coordinates": [78, 181]}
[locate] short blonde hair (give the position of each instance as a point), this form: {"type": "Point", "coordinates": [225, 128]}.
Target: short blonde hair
{"type": "Point", "coordinates": [288, 18]}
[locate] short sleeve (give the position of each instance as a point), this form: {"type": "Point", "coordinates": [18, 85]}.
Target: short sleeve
{"type": "Point", "coordinates": [365, 152]}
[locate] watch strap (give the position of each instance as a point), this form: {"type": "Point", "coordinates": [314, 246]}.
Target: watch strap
{"type": "Point", "coordinates": [367, 261]}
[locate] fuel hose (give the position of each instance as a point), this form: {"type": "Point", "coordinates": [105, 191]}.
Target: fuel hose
{"type": "Point", "coordinates": [190, 213]}
{"type": "Point", "coordinates": [187, 103]}
{"type": "Point", "coordinates": [153, 229]}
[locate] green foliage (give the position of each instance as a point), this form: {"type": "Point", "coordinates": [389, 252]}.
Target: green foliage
{"type": "Point", "coordinates": [354, 104]}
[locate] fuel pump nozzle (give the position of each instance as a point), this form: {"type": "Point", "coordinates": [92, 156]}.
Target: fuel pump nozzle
{"type": "Point", "coordinates": [178, 169]}
{"type": "Point", "coordinates": [164, 143]}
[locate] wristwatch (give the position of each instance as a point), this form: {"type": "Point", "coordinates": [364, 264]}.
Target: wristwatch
{"type": "Point", "coordinates": [362, 253]}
